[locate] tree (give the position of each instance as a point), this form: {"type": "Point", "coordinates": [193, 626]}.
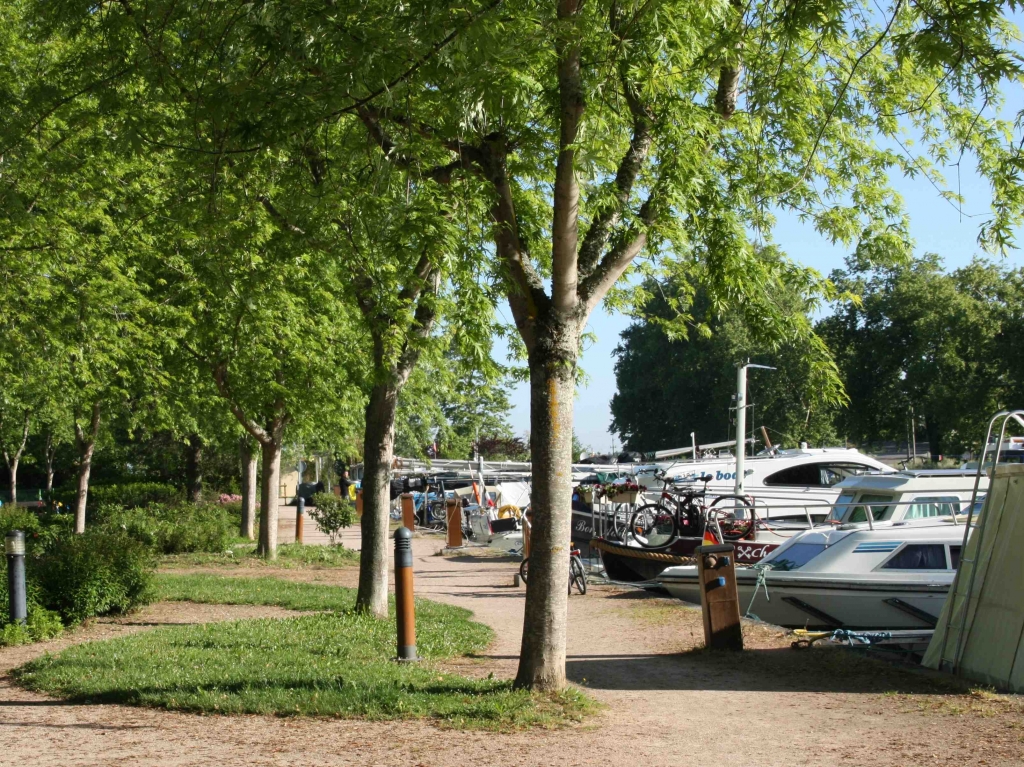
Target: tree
{"type": "Point", "coordinates": [923, 339]}
{"type": "Point", "coordinates": [670, 386]}
{"type": "Point", "coordinates": [602, 132]}
{"type": "Point", "coordinates": [613, 129]}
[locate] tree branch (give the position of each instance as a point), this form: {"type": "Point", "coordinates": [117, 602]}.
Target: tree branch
{"type": "Point", "coordinates": [220, 379]}
{"type": "Point", "coordinates": [566, 195]}
{"type": "Point", "coordinates": [597, 284]}
{"type": "Point", "coordinates": [277, 215]}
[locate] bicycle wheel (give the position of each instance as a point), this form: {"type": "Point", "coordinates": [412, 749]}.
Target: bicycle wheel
{"type": "Point", "coordinates": [437, 515]}
{"type": "Point", "coordinates": [735, 515]}
{"type": "Point", "coordinates": [653, 526]}
{"type": "Point", "coordinates": [577, 575]}
{"type": "Point", "coordinates": [620, 521]}
{"type": "Point", "coordinates": [524, 569]}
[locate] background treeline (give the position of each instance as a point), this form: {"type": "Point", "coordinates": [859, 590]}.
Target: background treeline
{"type": "Point", "coordinates": [911, 336]}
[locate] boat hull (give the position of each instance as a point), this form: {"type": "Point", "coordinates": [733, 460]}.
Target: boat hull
{"type": "Point", "coordinates": [826, 602]}
{"type": "Point", "coordinates": [631, 564]}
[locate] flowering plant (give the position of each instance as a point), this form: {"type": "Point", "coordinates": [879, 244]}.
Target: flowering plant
{"type": "Point", "coordinates": [612, 489]}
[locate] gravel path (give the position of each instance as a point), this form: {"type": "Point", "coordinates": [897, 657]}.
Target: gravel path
{"type": "Point", "coordinates": [663, 706]}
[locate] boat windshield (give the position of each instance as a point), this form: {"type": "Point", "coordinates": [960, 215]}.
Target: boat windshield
{"type": "Point", "coordinates": [933, 506]}
{"type": "Point", "coordinates": [796, 556]}
{"type": "Point", "coordinates": [845, 510]}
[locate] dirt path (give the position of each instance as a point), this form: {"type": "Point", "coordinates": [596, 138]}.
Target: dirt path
{"type": "Point", "coordinates": [772, 706]}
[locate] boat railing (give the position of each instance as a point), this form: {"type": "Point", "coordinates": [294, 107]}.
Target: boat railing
{"type": "Point", "coordinates": [780, 508]}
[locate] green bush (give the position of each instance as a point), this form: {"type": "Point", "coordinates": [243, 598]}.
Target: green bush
{"type": "Point", "coordinates": [178, 529]}
{"type": "Point", "coordinates": [96, 573]}
{"type": "Point", "coordinates": [133, 495]}
{"type": "Point", "coordinates": [332, 514]}
{"type": "Point", "coordinates": [42, 623]}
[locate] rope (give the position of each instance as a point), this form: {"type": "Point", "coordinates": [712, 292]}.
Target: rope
{"type": "Point", "coordinates": [640, 554]}
{"type": "Point", "coordinates": [762, 571]}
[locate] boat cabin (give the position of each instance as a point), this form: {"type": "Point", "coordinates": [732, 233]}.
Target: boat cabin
{"type": "Point", "coordinates": [907, 497]}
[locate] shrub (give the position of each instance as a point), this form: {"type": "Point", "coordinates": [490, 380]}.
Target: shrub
{"type": "Point", "coordinates": [133, 495]}
{"type": "Point", "coordinates": [21, 519]}
{"type": "Point", "coordinates": [41, 624]}
{"type": "Point", "coordinates": [96, 573]}
{"type": "Point", "coordinates": [179, 529]}
{"type": "Point", "coordinates": [331, 514]}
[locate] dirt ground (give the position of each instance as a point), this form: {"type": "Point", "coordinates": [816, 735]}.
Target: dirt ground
{"type": "Point", "coordinates": [664, 704]}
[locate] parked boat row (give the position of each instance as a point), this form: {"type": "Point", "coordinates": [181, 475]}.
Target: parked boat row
{"type": "Point", "coordinates": [884, 559]}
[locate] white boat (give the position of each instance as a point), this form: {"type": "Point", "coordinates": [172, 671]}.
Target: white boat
{"type": "Point", "coordinates": [886, 561]}
{"type": "Point", "coordinates": [784, 484]}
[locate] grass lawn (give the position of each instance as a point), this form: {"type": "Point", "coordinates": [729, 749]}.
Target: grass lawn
{"type": "Point", "coordinates": [243, 554]}
{"type": "Point", "coordinates": [335, 664]}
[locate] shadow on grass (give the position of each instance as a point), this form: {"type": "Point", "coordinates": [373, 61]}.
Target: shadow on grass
{"type": "Point", "coordinates": [306, 691]}
{"type": "Point", "coordinates": [761, 670]}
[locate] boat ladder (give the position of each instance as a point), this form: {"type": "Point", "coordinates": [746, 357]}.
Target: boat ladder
{"type": "Point", "coordinates": [966, 570]}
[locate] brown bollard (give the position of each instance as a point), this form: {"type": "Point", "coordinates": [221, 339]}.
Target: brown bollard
{"type": "Point", "coordinates": [719, 599]}
{"type": "Point", "coordinates": [405, 608]}
{"type": "Point", "coordinates": [453, 516]}
{"type": "Point", "coordinates": [359, 502]}
{"type": "Point", "coordinates": [408, 511]}
{"type": "Point", "coordinates": [300, 515]}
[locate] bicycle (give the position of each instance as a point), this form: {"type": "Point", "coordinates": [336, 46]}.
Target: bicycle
{"type": "Point", "coordinates": [657, 525]}
{"type": "Point", "coordinates": [577, 575]}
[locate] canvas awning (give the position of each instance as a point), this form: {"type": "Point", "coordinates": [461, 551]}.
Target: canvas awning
{"type": "Point", "coordinates": [989, 606]}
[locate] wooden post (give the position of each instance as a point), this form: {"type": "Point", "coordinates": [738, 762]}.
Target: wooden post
{"type": "Point", "coordinates": [454, 517]}
{"type": "Point", "coordinates": [408, 511]}
{"type": "Point", "coordinates": [359, 502]}
{"type": "Point", "coordinates": [719, 600]}
{"type": "Point", "coordinates": [527, 520]}
{"type": "Point", "coordinates": [300, 515]}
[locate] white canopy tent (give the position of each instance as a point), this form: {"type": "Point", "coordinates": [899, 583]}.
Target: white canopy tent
{"type": "Point", "coordinates": [980, 633]}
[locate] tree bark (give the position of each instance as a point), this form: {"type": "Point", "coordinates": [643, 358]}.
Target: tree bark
{"type": "Point", "coordinates": [379, 449]}
{"type": "Point", "coordinates": [250, 472]}
{"type": "Point", "coordinates": [271, 450]}
{"type": "Point", "coordinates": [86, 441]}
{"type": "Point", "coordinates": [15, 459]}
{"type": "Point", "coordinates": [552, 389]}
{"type": "Point", "coordinates": [49, 455]}
{"type": "Point", "coordinates": [194, 469]}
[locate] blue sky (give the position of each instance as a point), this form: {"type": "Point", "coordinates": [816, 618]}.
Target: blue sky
{"type": "Point", "coordinates": [935, 225]}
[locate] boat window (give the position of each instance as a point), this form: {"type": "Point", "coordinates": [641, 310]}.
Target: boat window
{"type": "Point", "coordinates": [954, 557]}
{"type": "Point", "coordinates": [833, 473]}
{"type": "Point", "coordinates": [933, 506]}
{"type": "Point", "coordinates": [878, 511]}
{"type": "Point", "coordinates": [796, 556]}
{"type": "Point", "coordinates": [839, 509]}
{"type": "Point", "coordinates": [817, 474]}
{"type": "Point", "coordinates": [918, 556]}
{"type": "Point", "coordinates": [807, 475]}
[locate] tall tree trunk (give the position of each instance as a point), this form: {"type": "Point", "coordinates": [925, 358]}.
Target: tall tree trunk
{"type": "Point", "coordinates": [379, 450]}
{"type": "Point", "coordinates": [552, 389]}
{"type": "Point", "coordinates": [14, 459]}
{"type": "Point", "coordinates": [194, 469]}
{"type": "Point", "coordinates": [250, 471]}
{"type": "Point", "coordinates": [271, 451]}
{"type": "Point", "coordinates": [49, 455]}
{"type": "Point", "coordinates": [86, 441]}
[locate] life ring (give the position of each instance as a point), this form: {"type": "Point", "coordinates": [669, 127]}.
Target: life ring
{"type": "Point", "coordinates": [509, 510]}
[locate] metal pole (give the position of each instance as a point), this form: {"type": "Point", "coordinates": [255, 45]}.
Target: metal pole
{"type": "Point", "coordinates": [913, 435]}
{"type": "Point", "coordinates": [405, 608]}
{"type": "Point", "coordinates": [741, 425]}
{"type": "Point", "coordinates": [14, 546]}
{"type": "Point", "coordinates": [300, 513]}
{"type": "Point", "coordinates": [693, 445]}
